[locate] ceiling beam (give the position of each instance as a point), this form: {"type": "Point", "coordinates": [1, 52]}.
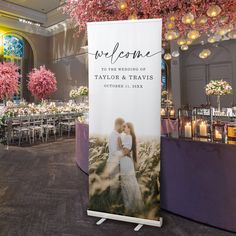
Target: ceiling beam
{"type": "Point", "coordinates": [16, 25]}
{"type": "Point", "coordinates": [33, 29]}
{"type": "Point", "coordinates": [52, 23]}
{"type": "Point", "coordinates": [54, 17]}
{"type": "Point", "coordinates": [25, 13]}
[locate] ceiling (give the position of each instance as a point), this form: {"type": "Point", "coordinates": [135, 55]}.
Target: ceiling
{"type": "Point", "coordinates": [41, 17]}
{"type": "Point", "coordinates": [43, 6]}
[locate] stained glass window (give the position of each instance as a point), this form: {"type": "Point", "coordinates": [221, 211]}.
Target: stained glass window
{"type": "Point", "coordinates": [163, 75]}
{"type": "Point", "coordinates": [13, 46]}
{"type": "Point", "coordinates": [163, 65]}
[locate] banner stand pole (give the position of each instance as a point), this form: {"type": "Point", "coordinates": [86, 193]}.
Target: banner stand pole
{"type": "Point", "coordinates": [141, 222]}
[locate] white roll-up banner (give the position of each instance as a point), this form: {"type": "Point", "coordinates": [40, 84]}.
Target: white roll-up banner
{"type": "Point", "coordinates": [124, 119]}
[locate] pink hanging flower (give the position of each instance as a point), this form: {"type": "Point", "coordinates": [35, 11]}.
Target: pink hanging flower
{"type": "Point", "coordinates": [9, 76]}
{"type": "Point", "coordinates": [42, 82]}
{"type": "Point", "coordinates": [83, 11]}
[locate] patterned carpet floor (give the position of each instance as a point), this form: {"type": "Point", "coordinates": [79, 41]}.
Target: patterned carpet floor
{"type": "Point", "coordinates": [44, 193]}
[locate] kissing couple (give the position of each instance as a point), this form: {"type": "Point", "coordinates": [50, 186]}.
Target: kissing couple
{"type": "Point", "coordinates": [121, 166]}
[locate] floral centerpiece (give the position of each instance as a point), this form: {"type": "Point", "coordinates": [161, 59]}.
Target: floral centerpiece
{"type": "Point", "coordinates": [80, 92]}
{"type": "Point", "coordinates": [74, 93]}
{"type": "Point", "coordinates": [218, 88]}
{"type": "Point", "coordinates": [83, 91]}
{"type": "Point", "coordinates": [23, 109]}
{"type": "Point", "coordinates": [9, 76]}
{"type": "Point", "coordinates": [42, 82]}
{"type": "Point", "coordinates": [41, 109]}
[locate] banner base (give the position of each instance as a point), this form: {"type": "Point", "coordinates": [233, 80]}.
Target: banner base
{"type": "Point", "coordinates": [139, 221]}
{"type": "Point", "coordinates": [138, 227]}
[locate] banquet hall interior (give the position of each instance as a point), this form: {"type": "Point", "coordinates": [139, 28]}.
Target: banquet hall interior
{"type": "Point", "coordinates": [44, 109]}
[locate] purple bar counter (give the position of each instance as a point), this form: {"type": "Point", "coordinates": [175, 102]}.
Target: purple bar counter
{"type": "Point", "coordinates": [198, 181]}
{"type": "Point", "coordinates": [81, 154]}
{"type": "Point", "coordinates": [169, 126]}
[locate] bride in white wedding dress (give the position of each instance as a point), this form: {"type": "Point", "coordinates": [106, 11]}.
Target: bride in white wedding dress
{"type": "Point", "coordinates": [129, 185]}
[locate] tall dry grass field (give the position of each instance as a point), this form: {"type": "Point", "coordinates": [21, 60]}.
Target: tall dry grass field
{"type": "Point", "coordinates": [147, 173]}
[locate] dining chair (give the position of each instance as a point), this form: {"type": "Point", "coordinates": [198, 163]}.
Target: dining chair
{"type": "Point", "coordinates": [50, 126]}
{"type": "Point", "coordinates": [21, 128]}
{"type": "Point", "coordinates": [36, 127]}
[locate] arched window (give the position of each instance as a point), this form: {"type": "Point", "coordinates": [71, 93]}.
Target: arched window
{"type": "Point", "coordinates": [16, 49]}
{"type": "Point", "coordinates": [13, 50]}
{"type": "Point", "coordinates": [163, 75]}
{"type": "Point", "coordinates": [13, 46]}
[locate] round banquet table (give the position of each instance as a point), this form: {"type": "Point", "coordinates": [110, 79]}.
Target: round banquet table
{"type": "Point", "coordinates": [81, 150]}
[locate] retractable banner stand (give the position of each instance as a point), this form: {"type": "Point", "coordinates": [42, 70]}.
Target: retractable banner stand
{"type": "Point", "coordinates": [124, 120]}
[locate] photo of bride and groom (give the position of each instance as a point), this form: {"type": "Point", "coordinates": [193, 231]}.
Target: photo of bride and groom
{"type": "Point", "coordinates": [124, 167]}
{"type": "Point", "coordinates": [121, 163]}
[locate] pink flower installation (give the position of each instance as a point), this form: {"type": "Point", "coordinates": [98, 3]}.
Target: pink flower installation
{"type": "Point", "coordinates": [171, 11]}
{"type": "Point", "coordinates": [42, 82]}
{"type": "Point", "coordinates": [9, 76]}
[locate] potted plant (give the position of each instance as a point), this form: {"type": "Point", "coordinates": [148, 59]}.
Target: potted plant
{"type": "Point", "coordinates": [9, 77]}
{"type": "Point", "coordinates": [42, 83]}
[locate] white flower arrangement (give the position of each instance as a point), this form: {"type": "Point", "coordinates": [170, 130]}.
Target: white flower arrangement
{"type": "Point", "coordinates": [51, 108]}
{"type": "Point", "coordinates": [82, 120]}
{"type": "Point", "coordinates": [74, 93]}
{"type": "Point", "coordinates": [9, 104]}
{"type": "Point", "coordinates": [78, 92]}
{"type": "Point", "coordinates": [218, 88]}
{"type": "Point", "coordinates": [83, 91]}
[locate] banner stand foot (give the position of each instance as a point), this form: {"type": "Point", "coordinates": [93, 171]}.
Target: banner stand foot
{"type": "Point", "coordinates": [138, 227]}
{"type": "Point", "coordinates": [140, 222]}
{"type": "Point", "coordinates": [100, 221]}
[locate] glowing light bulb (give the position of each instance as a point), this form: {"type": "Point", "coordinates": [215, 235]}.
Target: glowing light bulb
{"type": "Point", "coordinates": [212, 39]}
{"type": "Point", "coordinates": [175, 53]}
{"type": "Point", "coordinates": [171, 17]}
{"type": "Point", "coordinates": [232, 34]}
{"type": "Point", "coordinates": [201, 20]}
{"type": "Point", "coordinates": [184, 47]}
{"type": "Point", "coordinates": [181, 41]}
{"type": "Point", "coordinates": [167, 56]}
{"type": "Point", "coordinates": [133, 17]}
{"type": "Point", "coordinates": [171, 34]}
{"type": "Point", "coordinates": [170, 25]}
{"type": "Point", "coordinates": [205, 53]}
{"type": "Point", "coordinates": [188, 18]}
{"type": "Point", "coordinates": [193, 34]}
{"type": "Point", "coordinates": [123, 5]}
{"type": "Point", "coordinates": [189, 41]}
{"type": "Point", "coordinates": [213, 11]}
